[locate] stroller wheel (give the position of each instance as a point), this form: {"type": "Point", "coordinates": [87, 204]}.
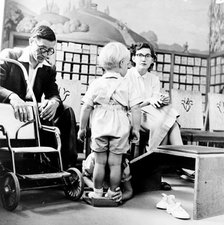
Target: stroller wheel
{"type": "Point", "coordinates": [10, 191]}
{"type": "Point", "coordinates": [74, 186]}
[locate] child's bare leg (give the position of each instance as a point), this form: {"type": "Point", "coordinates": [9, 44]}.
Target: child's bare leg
{"type": "Point", "coordinates": [114, 162]}
{"type": "Point", "coordinates": [99, 169]}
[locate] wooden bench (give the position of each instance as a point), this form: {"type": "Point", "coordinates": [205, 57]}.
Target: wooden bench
{"type": "Point", "coordinates": [209, 177]}
{"type": "Point", "coordinates": [208, 163]}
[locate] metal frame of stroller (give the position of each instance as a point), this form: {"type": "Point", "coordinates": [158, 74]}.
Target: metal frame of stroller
{"type": "Point", "coordinates": [71, 180]}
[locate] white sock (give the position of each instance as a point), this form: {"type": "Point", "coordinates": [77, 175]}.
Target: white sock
{"type": "Point", "coordinates": [110, 193]}
{"type": "Point", "coordinates": [98, 192]}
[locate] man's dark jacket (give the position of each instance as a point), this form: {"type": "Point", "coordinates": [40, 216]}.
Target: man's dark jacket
{"type": "Point", "coordinates": [12, 79]}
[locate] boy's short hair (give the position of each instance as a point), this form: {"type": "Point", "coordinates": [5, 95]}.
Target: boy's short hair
{"type": "Point", "coordinates": [111, 55]}
{"type": "Point", "coordinates": [43, 32]}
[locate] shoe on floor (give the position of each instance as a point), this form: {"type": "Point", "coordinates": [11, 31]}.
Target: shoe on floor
{"type": "Point", "coordinates": [187, 178]}
{"type": "Point", "coordinates": [165, 186]}
{"type": "Point", "coordinates": [162, 204]}
{"type": "Point", "coordinates": [177, 211]}
{"type": "Point", "coordinates": [186, 174]}
{"type": "Point", "coordinates": [166, 199]}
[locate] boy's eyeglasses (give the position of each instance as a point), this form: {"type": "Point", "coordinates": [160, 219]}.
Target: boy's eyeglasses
{"type": "Point", "coordinates": [44, 50]}
{"type": "Point", "coordinates": [147, 56]}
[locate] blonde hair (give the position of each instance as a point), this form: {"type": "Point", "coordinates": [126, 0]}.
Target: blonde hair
{"type": "Point", "coordinates": [111, 55]}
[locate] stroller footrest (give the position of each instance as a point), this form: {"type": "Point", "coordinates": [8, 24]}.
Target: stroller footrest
{"type": "Point", "coordinates": [34, 149]}
{"type": "Point", "coordinates": [47, 176]}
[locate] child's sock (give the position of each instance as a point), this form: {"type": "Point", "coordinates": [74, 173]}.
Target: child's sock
{"type": "Point", "coordinates": [110, 193]}
{"type": "Point", "coordinates": [97, 193]}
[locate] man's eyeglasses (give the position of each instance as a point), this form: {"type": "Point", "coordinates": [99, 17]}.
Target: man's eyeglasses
{"type": "Point", "coordinates": [49, 51]}
{"type": "Point", "coordinates": [44, 50]}
{"type": "Point", "coordinates": [147, 56]}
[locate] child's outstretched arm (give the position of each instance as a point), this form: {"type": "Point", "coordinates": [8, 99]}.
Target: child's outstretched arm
{"type": "Point", "coordinates": [84, 117]}
{"type": "Point", "coordinates": [136, 121]}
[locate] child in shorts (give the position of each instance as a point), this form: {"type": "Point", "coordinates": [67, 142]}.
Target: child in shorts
{"type": "Point", "coordinates": [124, 192]}
{"type": "Point", "coordinates": [106, 103]}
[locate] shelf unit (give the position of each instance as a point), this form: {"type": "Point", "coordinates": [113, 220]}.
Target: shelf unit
{"type": "Point", "coordinates": [77, 61]}
{"type": "Point", "coordinates": [184, 71]}
{"type": "Point", "coordinates": [216, 81]}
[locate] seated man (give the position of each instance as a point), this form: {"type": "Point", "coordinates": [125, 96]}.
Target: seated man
{"type": "Point", "coordinates": [123, 193]}
{"type": "Point", "coordinates": [13, 88]}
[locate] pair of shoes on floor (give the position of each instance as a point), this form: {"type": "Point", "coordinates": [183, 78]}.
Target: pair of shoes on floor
{"type": "Point", "coordinates": [168, 203]}
{"type": "Point", "coordinates": [186, 174]}
{"type": "Point", "coordinates": [165, 186]}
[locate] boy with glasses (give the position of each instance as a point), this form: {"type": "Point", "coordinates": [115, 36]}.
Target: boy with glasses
{"type": "Point", "coordinates": [42, 77]}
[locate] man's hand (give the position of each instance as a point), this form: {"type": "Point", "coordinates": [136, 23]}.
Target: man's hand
{"type": "Point", "coordinates": [48, 109]}
{"type": "Point", "coordinates": [20, 107]}
{"type": "Point", "coordinates": [117, 196]}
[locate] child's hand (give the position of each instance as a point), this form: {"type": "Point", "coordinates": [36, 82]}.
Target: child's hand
{"type": "Point", "coordinates": [135, 136]}
{"type": "Point", "coordinates": [81, 134]}
{"type": "Point", "coordinates": [117, 197]}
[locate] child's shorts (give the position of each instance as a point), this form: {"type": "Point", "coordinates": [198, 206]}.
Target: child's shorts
{"type": "Point", "coordinates": [116, 145]}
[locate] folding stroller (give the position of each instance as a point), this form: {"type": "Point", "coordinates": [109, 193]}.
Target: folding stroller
{"type": "Point", "coordinates": [25, 163]}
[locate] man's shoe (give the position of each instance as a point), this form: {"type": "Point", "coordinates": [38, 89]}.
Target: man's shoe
{"type": "Point", "coordinates": [165, 186]}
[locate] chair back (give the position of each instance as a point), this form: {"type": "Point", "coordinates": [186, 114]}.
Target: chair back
{"type": "Point", "coordinates": [11, 124]}
{"type": "Point", "coordinates": [189, 106]}
{"type": "Point", "coordinates": [216, 112]}
{"type": "Point", "coordinates": [70, 93]}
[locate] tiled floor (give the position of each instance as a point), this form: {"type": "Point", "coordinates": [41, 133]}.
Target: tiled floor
{"type": "Point", "coordinates": [50, 207]}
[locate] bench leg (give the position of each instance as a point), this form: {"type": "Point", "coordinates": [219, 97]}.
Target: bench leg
{"type": "Point", "coordinates": [209, 186]}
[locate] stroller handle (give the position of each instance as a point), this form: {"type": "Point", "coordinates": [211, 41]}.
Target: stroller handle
{"type": "Point", "coordinates": [36, 113]}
